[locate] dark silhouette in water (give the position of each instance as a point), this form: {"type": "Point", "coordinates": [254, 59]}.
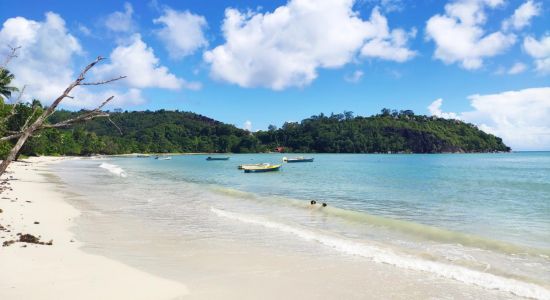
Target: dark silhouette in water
{"type": "Point", "coordinates": [313, 202]}
{"type": "Point", "coordinates": [324, 204]}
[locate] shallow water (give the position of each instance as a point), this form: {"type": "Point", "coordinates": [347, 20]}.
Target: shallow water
{"type": "Point", "coordinates": [480, 219]}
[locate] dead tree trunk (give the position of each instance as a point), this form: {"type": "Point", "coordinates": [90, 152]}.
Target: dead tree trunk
{"type": "Point", "coordinates": [39, 123]}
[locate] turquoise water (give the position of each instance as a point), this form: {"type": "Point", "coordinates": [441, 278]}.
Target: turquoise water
{"type": "Point", "coordinates": [500, 196]}
{"type": "Point", "coordinates": [483, 213]}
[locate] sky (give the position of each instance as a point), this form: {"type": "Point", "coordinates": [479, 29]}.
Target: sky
{"type": "Point", "coordinates": [256, 63]}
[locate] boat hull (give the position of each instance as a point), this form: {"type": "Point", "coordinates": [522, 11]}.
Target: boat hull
{"type": "Point", "coordinates": [299, 160]}
{"type": "Point", "coordinates": [262, 169]}
{"type": "Point", "coordinates": [217, 158]}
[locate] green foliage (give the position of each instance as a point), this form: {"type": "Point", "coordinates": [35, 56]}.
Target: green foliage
{"type": "Point", "coordinates": [390, 131]}
{"type": "Point", "coordinates": [5, 83]}
{"type": "Point", "coordinates": [173, 131]}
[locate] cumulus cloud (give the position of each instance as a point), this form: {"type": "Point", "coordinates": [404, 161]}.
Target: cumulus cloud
{"type": "Point", "coordinates": [435, 110]}
{"type": "Point", "coordinates": [386, 44]}
{"type": "Point", "coordinates": [88, 98]}
{"type": "Point", "coordinates": [522, 16]}
{"type": "Point", "coordinates": [286, 47]}
{"type": "Point", "coordinates": [540, 51]}
{"type": "Point", "coordinates": [138, 62]}
{"type": "Point", "coordinates": [44, 61]}
{"type": "Point", "coordinates": [121, 21]}
{"type": "Point", "coordinates": [182, 32]}
{"type": "Point", "coordinates": [521, 118]}
{"type": "Point", "coordinates": [459, 37]}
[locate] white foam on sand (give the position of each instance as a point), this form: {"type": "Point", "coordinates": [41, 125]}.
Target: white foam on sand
{"type": "Point", "coordinates": [387, 256]}
{"type": "Point", "coordinates": [113, 169]}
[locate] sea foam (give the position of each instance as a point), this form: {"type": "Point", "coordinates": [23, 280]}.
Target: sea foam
{"type": "Point", "coordinates": [387, 256]}
{"type": "Point", "coordinates": [113, 169]}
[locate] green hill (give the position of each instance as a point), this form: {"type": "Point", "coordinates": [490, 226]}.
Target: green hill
{"type": "Point", "coordinates": [175, 131]}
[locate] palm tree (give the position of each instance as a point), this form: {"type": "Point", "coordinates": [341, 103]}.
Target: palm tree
{"type": "Point", "coordinates": [5, 80]}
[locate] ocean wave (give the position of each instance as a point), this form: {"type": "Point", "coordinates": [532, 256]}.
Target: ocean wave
{"type": "Point", "coordinates": [388, 256]}
{"type": "Point", "coordinates": [417, 230]}
{"type": "Point", "coordinates": [113, 169]}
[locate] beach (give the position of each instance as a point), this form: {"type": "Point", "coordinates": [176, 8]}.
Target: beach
{"type": "Point", "coordinates": [104, 247]}
{"type": "Point", "coordinates": [60, 270]}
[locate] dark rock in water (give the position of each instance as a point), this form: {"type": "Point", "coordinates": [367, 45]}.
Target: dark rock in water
{"type": "Point", "coordinates": [1, 211]}
{"type": "Point", "coordinates": [36, 222]}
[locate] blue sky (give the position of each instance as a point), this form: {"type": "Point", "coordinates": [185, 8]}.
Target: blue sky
{"type": "Point", "coordinates": [320, 56]}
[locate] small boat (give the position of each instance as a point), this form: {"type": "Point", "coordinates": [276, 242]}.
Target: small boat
{"type": "Point", "coordinates": [143, 155]}
{"type": "Point", "coordinates": [298, 159]}
{"type": "Point", "coordinates": [217, 158]}
{"type": "Point", "coordinates": [163, 157]}
{"type": "Point", "coordinates": [262, 168]}
{"type": "Point", "coordinates": [241, 167]}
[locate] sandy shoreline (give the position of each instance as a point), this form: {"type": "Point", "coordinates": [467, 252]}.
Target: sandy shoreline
{"type": "Point", "coordinates": [120, 258]}
{"type": "Point", "coordinates": [62, 270]}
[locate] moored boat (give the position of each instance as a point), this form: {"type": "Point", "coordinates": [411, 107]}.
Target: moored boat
{"type": "Point", "coordinates": [298, 159]}
{"type": "Point", "coordinates": [217, 158]}
{"type": "Point", "coordinates": [163, 157]}
{"type": "Point", "coordinates": [261, 168]}
{"type": "Point", "coordinates": [251, 165]}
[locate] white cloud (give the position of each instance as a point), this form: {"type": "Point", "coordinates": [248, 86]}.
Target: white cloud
{"type": "Point", "coordinates": [522, 15]}
{"type": "Point", "coordinates": [435, 110]}
{"type": "Point", "coordinates": [517, 68]}
{"type": "Point", "coordinates": [355, 76]}
{"type": "Point", "coordinates": [86, 98]}
{"type": "Point", "coordinates": [460, 38]}
{"type": "Point", "coordinates": [182, 32]}
{"type": "Point", "coordinates": [286, 47]}
{"type": "Point", "coordinates": [540, 51]}
{"type": "Point", "coordinates": [386, 44]}
{"type": "Point", "coordinates": [138, 62]}
{"type": "Point", "coordinates": [247, 125]}
{"type": "Point", "coordinates": [521, 118]}
{"type": "Point", "coordinates": [44, 61]}
{"type": "Point", "coordinates": [121, 21]}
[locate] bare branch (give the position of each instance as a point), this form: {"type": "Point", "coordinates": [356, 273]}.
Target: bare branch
{"type": "Point", "coordinates": [39, 123]}
{"type": "Point", "coordinates": [68, 90]}
{"type": "Point", "coordinates": [83, 117]}
{"type": "Point", "coordinates": [11, 137]}
{"type": "Point", "coordinates": [29, 119]}
{"type": "Point", "coordinates": [119, 130]}
{"type": "Point", "coordinates": [103, 82]}
{"type": "Point", "coordinates": [10, 56]}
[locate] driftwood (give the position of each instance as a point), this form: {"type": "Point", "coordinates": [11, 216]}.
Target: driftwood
{"type": "Point", "coordinates": [32, 127]}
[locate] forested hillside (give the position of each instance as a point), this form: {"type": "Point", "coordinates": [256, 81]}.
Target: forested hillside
{"type": "Point", "coordinates": [175, 131]}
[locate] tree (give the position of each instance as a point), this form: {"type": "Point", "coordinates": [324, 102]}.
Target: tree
{"type": "Point", "coordinates": [5, 80]}
{"type": "Point", "coordinates": [35, 124]}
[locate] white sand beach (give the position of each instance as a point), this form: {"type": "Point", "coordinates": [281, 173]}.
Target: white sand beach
{"type": "Point", "coordinates": [62, 270]}
{"type": "Point", "coordinates": [166, 267]}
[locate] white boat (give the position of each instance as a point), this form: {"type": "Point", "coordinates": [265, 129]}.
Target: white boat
{"type": "Point", "coordinates": [163, 157]}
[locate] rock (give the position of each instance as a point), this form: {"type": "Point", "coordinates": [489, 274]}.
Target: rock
{"type": "Point", "coordinates": [36, 222]}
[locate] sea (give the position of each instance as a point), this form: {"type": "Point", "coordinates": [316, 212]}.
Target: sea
{"type": "Point", "coordinates": [477, 219]}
